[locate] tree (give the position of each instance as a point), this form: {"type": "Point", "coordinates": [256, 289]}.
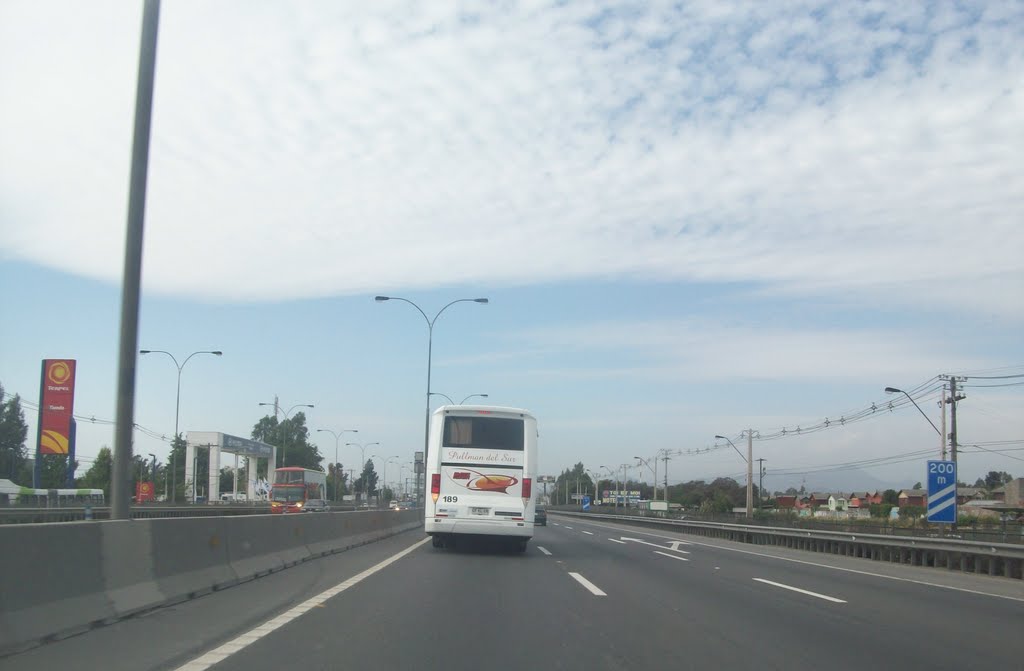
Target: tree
{"type": "Point", "coordinates": [996, 479]}
{"type": "Point", "coordinates": [792, 491]}
{"type": "Point", "coordinates": [292, 440]}
{"type": "Point", "coordinates": [917, 485]}
{"type": "Point", "coordinates": [979, 483]}
{"type": "Point", "coordinates": [13, 432]}
{"type": "Point", "coordinates": [177, 458]}
{"type": "Point", "coordinates": [891, 496]}
{"type": "Point", "coordinates": [337, 481]}
{"type": "Point", "coordinates": [567, 483]}
{"type": "Point", "coordinates": [367, 481]}
{"type": "Point", "coordinates": [98, 475]}
{"type": "Point", "coordinates": [53, 471]}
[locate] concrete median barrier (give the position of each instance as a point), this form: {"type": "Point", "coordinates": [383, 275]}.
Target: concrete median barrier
{"type": "Point", "coordinates": [62, 578]}
{"type": "Point", "coordinates": [51, 580]}
{"type": "Point", "coordinates": [189, 556]}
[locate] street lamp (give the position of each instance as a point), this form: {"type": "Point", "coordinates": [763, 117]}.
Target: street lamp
{"type": "Point", "coordinates": [336, 434]}
{"type": "Point", "coordinates": [430, 346]}
{"type": "Point", "coordinates": [362, 463]}
{"type": "Point", "coordinates": [614, 475]}
{"type": "Point", "coordinates": [284, 434]}
{"type": "Point", "coordinates": [750, 472]}
{"type": "Point", "coordinates": [384, 469]}
{"type": "Point", "coordinates": [894, 390]}
{"type": "Point", "coordinates": [462, 402]}
{"type": "Point", "coordinates": [177, 407]}
{"type": "Point", "coordinates": [653, 470]}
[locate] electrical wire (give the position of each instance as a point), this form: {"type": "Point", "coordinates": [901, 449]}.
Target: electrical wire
{"type": "Point", "coordinates": [92, 419]}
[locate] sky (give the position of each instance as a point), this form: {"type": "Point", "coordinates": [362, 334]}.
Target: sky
{"type": "Point", "coordinates": [690, 219]}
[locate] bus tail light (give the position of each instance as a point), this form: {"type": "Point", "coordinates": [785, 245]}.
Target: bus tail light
{"type": "Point", "coordinates": [435, 486]}
{"type": "Point", "coordinates": [527, 487]}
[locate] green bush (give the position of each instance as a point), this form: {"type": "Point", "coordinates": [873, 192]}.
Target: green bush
{"type": "Point", "coordinates": [881, 509]}
{"type": "Point", "coordinates": [912, 512]}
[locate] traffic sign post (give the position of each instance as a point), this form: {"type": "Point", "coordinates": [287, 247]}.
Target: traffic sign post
{"type": "Point", "coordinates": [942, 492]}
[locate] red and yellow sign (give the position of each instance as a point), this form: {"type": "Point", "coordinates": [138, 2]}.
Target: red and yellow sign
{"type": "Point", "coordinates": [144, 492]}
{"type": "Point", "coordinates": [56, 405]}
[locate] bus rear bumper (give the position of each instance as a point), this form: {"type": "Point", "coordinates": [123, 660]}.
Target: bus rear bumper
{"type": "Point", "coordinates": [510, 528]}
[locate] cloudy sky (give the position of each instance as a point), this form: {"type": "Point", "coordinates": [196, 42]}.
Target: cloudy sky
{"type": "Point", "coordinates": [690, 218]}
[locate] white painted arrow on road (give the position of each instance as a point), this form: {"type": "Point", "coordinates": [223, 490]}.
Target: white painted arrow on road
{"type": "Point", "coordinates": [674, 544]}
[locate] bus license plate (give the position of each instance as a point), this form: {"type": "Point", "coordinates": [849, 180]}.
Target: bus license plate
{"type": "Point", "coordinates": [480, 511]}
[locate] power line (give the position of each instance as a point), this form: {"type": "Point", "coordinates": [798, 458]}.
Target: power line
{"type": "Point", "coordinates": [92, 419]}
{"type": "Point", "coordinates": [1008, 456]}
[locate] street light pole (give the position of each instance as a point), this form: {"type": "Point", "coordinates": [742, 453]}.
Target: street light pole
{"type": "Point", "coordinates": [384, 471]}
{"type": "Point", "coordinates": [654, 470]}
{"type": "Point", "coordinates": [894, 390]}
{"type": "Point", "coordinates": [362, 465]}
{"type": "Point", "coordinates": [462, 402]}
{"type": "Point", "coordinates": [336, 434]}
{"type": "Point", "coordinates": [284, 433]}
{"type": "Point", "coordinates": [430, 347]}
{"type": "Point", "coordinates": [177, 407]}
{"type": "Point", "coordinates": [750, 467]}
{"type": "Point", "coordinates": [612, 473]}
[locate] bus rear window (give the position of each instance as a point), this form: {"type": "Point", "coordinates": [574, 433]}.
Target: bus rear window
{"type": "Point", "coordinates": [484, 433]}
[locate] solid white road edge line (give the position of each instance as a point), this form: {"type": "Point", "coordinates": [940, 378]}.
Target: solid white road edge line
{"type": "Point", "coordinates": [217, 654]}
{"type": "Point", "coordinates": [664, 554]}
{"type": "Point", "coordinates": [802, 591]}
{"type": "Point", "coordinates": [591, 587]}
{"type": "Point", "coordinates": [544, 550]}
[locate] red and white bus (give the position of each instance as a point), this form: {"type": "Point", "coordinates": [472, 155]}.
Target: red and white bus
{"type": "Point", "coordinates": [294, 486]}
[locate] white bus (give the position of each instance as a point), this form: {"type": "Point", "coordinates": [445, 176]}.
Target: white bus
{"type": "Point", "coordinates": [481, 465]}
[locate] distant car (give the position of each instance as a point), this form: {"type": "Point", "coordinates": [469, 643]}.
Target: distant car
{"type": "Point", "coordinates": [540, 517]}
{"type": "Point", "coordinates": [316, 506]}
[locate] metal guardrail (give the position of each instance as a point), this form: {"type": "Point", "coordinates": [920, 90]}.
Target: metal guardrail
{"type": "Point", "coordinates": [995, 559]}
{"type": "Point", "coordinates": [1003, 532]}
{"type": "Point", "coordinates": [16, 515]}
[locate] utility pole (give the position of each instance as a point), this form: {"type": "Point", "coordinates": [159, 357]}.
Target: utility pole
{"type": "Point", "coordinates": [665, 458]}
{"type": "Point", "coordinates": [760, 486]}
{"type": "Point", "coordinates": [953, 398]}
{"type": "Point", "coordinates": [750, 473]}
{"type": "Point", "coordinates": [943, 437]}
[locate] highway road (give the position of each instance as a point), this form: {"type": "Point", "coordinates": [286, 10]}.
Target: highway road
{"type": "Point", "coordinates": [586, 595]}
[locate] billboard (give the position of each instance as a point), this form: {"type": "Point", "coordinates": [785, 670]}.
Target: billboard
{"type": "Point", "coordinates": [56, 406]}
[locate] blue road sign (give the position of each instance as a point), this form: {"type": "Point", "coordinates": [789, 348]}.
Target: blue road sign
{"type": "Point", "coordinates": [942, 491]}
{"type": "Point", "coordinates": [586, 503]}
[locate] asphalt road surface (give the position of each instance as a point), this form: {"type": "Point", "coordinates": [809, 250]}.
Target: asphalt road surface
{"type": "Point", "coordinates": [585, 595]}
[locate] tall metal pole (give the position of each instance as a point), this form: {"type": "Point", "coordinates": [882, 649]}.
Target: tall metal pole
{"type": "Point", "coordinates": [174, 443]}
{"type": "Point", "coordinates": [426, 418]}
{"type": "Point", "coordinates": [760, 481]}
{"type": "Point", "coordinates": [952, 419]}
{"type": "Point", "coordinates": [750, 473]}
{"type": "Point", "coordinates": [131, 282]}
{"type": "Point", "coordinates": [430, 348]}
{"type": "Point", "coordinates": [942, 437]}
{"type": "Point", "coordinates": [177, 406]}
